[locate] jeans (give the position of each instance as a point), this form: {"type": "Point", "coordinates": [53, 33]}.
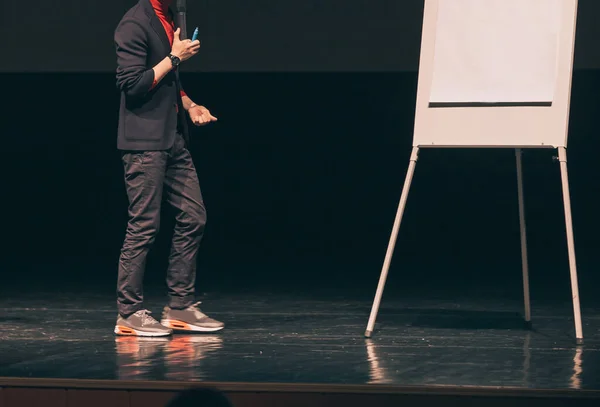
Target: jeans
{"type": "Point", "coordinates": [150, 178]}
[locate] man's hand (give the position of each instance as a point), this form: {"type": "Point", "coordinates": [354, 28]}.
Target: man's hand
{"type": "Point", "coordinates": [200, 115]}
{"type": "Point", "coordinates": [185, 49]}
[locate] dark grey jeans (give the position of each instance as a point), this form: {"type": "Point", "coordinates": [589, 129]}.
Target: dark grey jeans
{"type": "Point", "coordinates": [152, 177]}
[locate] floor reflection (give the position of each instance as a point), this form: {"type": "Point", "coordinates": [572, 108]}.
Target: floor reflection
{"type": "Point", "coordinates": [378, 374]}
{"type": "Point", "coordinates": [529, 368]}
{"type": "Point", "coordinates": [178, 358]}
{"type": "Point", "coordinates": [527, 359]}
{"type": "Point", "coordinates": [138, 357]}
{"type": "Point", "coordinates": [184, 355]}
{"type": "Point", "coordinates": [577, 369]}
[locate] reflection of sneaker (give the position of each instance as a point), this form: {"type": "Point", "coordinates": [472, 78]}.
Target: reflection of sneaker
{"type": "Point", "coordinates": [190, 319]}
{"type": "Point", "coordinates": [140, 347]}
{"type": "Point", "coordinates": [184, 356]}
{"type": "Point", "coordinates": [140, 324]}
{"type": "Point", "coordinates": [192, 347]}
{"type": "Point", "coordinates": [137, 356]}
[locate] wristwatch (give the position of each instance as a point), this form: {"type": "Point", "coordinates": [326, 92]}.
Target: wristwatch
{"type": "Point", "coordinates": [175, 61]}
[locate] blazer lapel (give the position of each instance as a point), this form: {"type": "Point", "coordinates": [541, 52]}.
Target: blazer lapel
{"type": "Point", "coordinates": [155, 23]}
{"type": "Point", "coordinates": [160, 31]}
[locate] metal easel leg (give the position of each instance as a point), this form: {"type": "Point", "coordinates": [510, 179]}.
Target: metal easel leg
{"type": "Point", "coordinates": [392, 242]}
{"type": "Point", "coordinates": [562, 158]}
{"type": "Point", "coordinates": [524, 261]}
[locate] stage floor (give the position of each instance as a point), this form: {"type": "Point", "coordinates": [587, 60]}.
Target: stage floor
{"type": "Point", "coordinates": [306, 338]}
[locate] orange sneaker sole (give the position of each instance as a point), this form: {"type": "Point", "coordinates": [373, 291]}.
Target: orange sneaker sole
{"type": "Point", "coordinates": [127, 331]}
{"type": "Point", "coordinates": [177, 325]}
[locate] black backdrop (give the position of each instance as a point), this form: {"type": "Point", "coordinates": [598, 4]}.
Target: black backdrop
{"type": "Point", "coordinates": [301, 174]}
{"type": "Point", "coordinates": [243, 36]}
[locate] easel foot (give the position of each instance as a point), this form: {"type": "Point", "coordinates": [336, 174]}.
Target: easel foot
{"type": "Point", "coordinates": [368, 333]}
{"type": "Point", "coordinates": [579, 341]}
{"type": "Point", "coordinates": [528, 325]}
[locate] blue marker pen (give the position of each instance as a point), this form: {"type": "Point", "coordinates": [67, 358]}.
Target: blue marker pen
{"type": "Point", "coordinates": [195, 36]}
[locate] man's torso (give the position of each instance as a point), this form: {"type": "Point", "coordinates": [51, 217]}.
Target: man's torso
{"type": "Point", "coordinates": [151, 121]}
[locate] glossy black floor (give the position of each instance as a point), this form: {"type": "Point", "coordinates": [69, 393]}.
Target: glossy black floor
{"type": "Point", "coordinates": [422, 339]}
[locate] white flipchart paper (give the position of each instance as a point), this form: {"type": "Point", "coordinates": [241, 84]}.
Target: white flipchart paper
{"type": "Point", "coordinates": [494, 51]}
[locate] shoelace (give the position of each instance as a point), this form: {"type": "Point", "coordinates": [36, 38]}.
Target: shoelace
{"type": "Point", "coordinates": [144, 314]}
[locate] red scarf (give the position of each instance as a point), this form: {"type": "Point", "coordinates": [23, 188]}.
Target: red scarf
{"type": "Point", "coordinates": [161, 8]}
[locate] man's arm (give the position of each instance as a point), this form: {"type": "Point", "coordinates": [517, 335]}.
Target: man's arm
{"type": "Point", "coordinates": [198, 114]}
{"type": "Point", "coordinates": [133, 77]}
{"type": "Point", "coordinates": [161, 70]}
{"type": "Point", "coordinates": [187, 102]}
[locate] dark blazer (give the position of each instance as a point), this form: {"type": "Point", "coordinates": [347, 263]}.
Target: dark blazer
{"type": "Point", "coordinates": [148, 118]}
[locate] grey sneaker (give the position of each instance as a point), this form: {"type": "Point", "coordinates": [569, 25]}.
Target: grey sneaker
{"type": "Point", "coordinates": [190, 319]}
{"type": "Point", "coordinates": [140, 324]}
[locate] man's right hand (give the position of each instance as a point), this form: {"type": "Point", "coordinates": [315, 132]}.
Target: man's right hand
{"type": "Point", "coordinates": [185, 49]}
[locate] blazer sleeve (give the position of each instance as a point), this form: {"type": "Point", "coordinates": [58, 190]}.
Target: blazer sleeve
{"type": "Point", "coordinates": [133, 77]}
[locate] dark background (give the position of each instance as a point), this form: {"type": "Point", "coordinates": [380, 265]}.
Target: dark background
{"type": "Point", "coordinates": [243, 36]}
{"type": "Point", "coordinates": [302, 173]}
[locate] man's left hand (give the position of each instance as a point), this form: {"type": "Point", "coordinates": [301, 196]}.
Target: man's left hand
{"type": "Point", "coordinates": [200, 115]}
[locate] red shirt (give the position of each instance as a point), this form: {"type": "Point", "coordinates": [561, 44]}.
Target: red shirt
{"type": "Point", "coordinates": [161, 8]}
